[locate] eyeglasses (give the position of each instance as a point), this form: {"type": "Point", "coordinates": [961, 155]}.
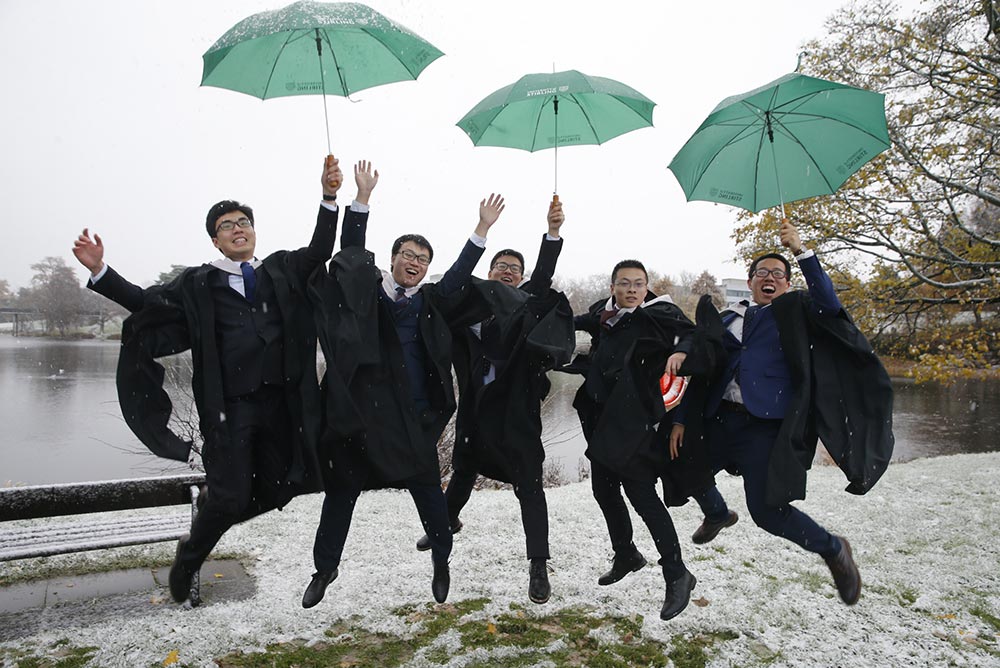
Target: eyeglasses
{"type": "Point", "coordinates": [230, 225]}
{"type": "Point", "coordinates": [627, 285]}
{"type": "Point", "coordinates": [762, 273]}
{"type": "Point", "coordinates": [512, 268]}
{"type": "Point", "coordinates": [410, 256]}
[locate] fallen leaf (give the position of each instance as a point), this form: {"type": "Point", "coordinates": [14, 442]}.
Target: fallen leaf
{"type": "Point", "coordinates": [948, 616]}
{"type": "Point", "coordinates": [700, 602]}
{"type": "Point", "coordinates": [172, 657]}
{"type": "Point", "coordinates": [219, 575]}
{"type": "Point", "coordinates": [491, 628]}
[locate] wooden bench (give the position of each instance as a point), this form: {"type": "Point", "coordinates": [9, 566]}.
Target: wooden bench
{"type": "Point", "coordinates": [42, 539]}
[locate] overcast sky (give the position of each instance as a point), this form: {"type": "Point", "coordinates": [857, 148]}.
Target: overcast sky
{"type": "Point", "coordinates": [104, 125]}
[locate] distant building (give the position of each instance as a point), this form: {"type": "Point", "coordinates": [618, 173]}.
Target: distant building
{"type": "Point", "coordinates": [734, 289]}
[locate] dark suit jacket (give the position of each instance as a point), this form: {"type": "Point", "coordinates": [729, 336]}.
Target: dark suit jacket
{"type": "Point", "coordinates": [813, 369]}
{"type": "Point", "coordinates": [168, 319]}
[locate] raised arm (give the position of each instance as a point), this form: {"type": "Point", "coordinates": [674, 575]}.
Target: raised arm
{"type": "Point", "coordinates": [548, 253]}
{"type": "Point", "coordinates": [824, 297]}
{"type": "Point", "coordinates": [90, 252]}
{"type": "Point", "coordinates": [356, 218]}
{"type": "Point", "coordinates": [458, 275]}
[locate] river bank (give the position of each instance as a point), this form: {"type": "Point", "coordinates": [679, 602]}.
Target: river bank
{"type": "Point", "coordinates": [925, 540]}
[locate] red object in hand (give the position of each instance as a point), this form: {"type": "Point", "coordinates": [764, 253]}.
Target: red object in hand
{"type": "Point", "coordinates": [672, 388]}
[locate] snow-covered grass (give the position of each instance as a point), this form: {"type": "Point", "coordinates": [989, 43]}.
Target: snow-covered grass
{"type": "Point", "coordinates": [925, 540]}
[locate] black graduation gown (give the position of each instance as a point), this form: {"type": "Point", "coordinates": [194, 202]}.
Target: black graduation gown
{"type": "Point", "coordinates": [498, 429]}
{"type": "Point", "coordinates": [842, 395]}
{"type": "Point", "coordinates": [619, 403]}
{"type": "Point", "coordinates": [373, 436]}
{"type": "Point", "coordinates": [179, 316]}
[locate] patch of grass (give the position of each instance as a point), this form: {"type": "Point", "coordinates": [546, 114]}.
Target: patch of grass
{"type": "Point", "coordinates": [693, 651]}
{"type": "Point", "coordinates": [358, 648]}
{"type": "Point", "coordinates": [61, 654]}
{"type": "Point", "coordinates": [513, 640]}
{"type": "Point", "coordinates": [815, 582]}
{"type": "Point", "coordinates": [907, 596]}
{"type": "Point", "coordinates": [985, 615]}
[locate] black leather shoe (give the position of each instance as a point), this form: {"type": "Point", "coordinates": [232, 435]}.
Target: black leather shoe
{"type": "Point", "coordinates": [424, 543]}
{"type": "Point", "coordinates": [538, 582]}
{"type": "Point", "coordinates": [317, 588]}
{"type": "Point", "coordinates": [709, 530]}
{"type": "Point", "coordinates": [845, 573]}
{"type": "Point", "coordinates": [678, 595]}
{"type": "Point", "coordinates": [622, 566]}
{"type": "Point", "coordinates": [441, 581]}
{"type": "Point", "coordinates": [179, 578]}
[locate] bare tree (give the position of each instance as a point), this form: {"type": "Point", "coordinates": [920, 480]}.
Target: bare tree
{"type": "Point", "coordinates": [56, 294]}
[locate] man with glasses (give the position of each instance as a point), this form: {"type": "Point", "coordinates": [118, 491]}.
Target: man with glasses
{"type": "Point", "coordinates": [761, 414]}
{"type": "Point", "coordinates": [635, 336]}
{"type": "Point", "coordinates": [389, 390]}
{"type": "Point", "coordinates": [253, 345]}
{"type": "Point", "coordinates": [501, 365]}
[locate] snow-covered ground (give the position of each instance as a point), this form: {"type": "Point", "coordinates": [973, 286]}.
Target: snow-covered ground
{"type": "Point", "coordinates": [925, 540]}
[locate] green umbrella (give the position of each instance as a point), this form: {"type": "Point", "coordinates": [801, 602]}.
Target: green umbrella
{"type": "Point", "coordinates": [794, 138]}
{"type": "Point", "coordinates": [315, 48]}
{"type": "Point", "coordinates": [532, 112]}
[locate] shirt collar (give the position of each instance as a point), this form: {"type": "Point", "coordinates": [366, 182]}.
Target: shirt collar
{"type": "Point", "coordinates": [232, 266]}
{"type": "Point", "coordinates": [389, 286]}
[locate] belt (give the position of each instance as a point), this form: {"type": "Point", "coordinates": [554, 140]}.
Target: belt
{"type": "Point", "coordinates": [733, 407]}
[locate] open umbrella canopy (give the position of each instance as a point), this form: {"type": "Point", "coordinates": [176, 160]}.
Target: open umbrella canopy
{"type": "Point", "coordinates": [315, 48]}
{"type": "Point", "coordinates": [532, 112]}
{"type": "Point", "coordinates": [794, 138]}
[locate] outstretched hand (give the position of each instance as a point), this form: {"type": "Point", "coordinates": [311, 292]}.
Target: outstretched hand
{"type": "Point", "coordinates": [90, 252]}
{"type": "Point", "coordinates": [367, 178]}
{"type": "Point", "coordinates": [489, 210]}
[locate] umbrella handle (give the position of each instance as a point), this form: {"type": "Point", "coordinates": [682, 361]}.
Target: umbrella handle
{"type": "Point", "coordinates": [333, 183]}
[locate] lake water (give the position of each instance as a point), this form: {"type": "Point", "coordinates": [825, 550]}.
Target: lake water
{"type": "Point", "coordinates": [60, 421]}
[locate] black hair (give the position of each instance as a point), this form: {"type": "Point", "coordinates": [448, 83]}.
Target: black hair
{"type": "Point", "coordinates": [628, 264]}
{"type": "Point", "coordinates": [771, 256]}
{"type": "Point", "coordinates": [508, 251]}
{"type": "Point", "coordinates": [222, 208]}
{"type": "Point", "coordinates": [415, 238]}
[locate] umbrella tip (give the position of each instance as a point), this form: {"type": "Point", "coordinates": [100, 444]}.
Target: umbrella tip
{"type": "Point", "coordinates": [798, 62]}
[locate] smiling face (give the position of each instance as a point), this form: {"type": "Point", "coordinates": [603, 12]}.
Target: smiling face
{"type": "Point", "coordinates": [409, 272]}
{"type": "Point", "coordinates": [767, 288]}
{"type": "Point", "coordinates": [629, 287]}
{"type": "Point", "coordinates": [238, 243]}
{"type": "Point", "coordinates": [509, 270]}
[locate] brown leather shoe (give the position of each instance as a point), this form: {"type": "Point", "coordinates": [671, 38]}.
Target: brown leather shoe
{"type": "Point", "coordinates": [845, 573]}
{"type": "Point", "coordinates": [709, 530]}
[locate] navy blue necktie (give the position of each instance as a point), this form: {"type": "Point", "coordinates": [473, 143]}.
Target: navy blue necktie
{"type": "Point", "coordinates": [401, 297]}
{"type": "Point", "coordinates": [748, 317]}
{"type": "Point", "coordinates": [249, 281]}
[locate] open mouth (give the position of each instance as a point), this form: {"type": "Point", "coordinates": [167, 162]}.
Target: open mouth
{"type": "Point", "coordinates": [768, 289]}
{"type": "Point", "coordinates": [410, 271]}
{"type": "Point", "coordinates": [507, 279]}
